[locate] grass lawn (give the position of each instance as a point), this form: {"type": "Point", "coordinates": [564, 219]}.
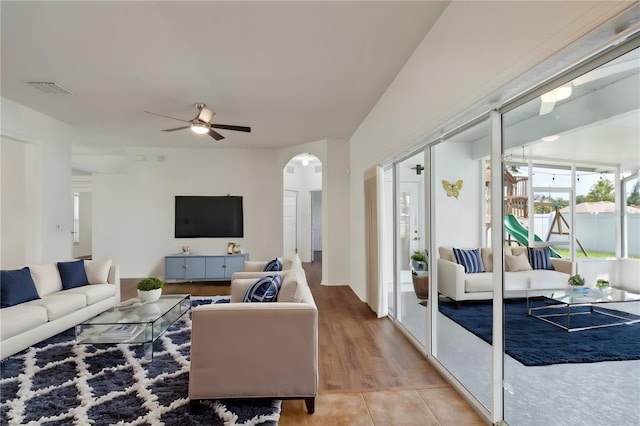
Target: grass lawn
{"type": "Point", "coordinates": [579, 254]}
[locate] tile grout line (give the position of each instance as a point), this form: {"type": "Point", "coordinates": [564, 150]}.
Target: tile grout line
{"type": "Point", "coordinates": [427, 407]}
{"type": "Point", "coordinates": [367, 407]}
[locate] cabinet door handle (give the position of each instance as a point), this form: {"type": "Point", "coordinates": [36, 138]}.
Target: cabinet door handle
{"type": "Point", "coordinates": [184, 266]}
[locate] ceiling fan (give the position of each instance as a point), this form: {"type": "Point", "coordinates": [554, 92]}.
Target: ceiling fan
{"type": "Point", "coordinates": [201, 123]}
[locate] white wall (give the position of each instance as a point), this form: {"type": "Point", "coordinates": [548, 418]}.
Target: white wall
{"type": "Point", "coordinates": [454, 161]}
{"type": "Point", "coordinates": [48, 173]}
{"type": "Point", "coordinates": [473, 50]}
{"type": "Point", "coordinates": [14, 203]}
{"type": "Point", "coordinates": [133, 212]}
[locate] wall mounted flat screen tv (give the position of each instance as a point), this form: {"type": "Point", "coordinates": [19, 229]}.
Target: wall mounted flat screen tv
{"type": "Point", "coordinates": [209, 217]}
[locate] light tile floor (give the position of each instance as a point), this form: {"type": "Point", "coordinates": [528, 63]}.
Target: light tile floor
{"type": "Point", "coordinates": [420, 407]}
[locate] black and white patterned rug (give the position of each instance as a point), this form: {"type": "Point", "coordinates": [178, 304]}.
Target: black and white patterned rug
{"type": "Point", "coordinates": [59, 383]}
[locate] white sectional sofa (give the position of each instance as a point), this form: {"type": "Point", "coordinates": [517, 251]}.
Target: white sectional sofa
{"type": "Point", "coordinates": [628, 275]}
{"type": "Point", "coordinates": [57, 309]}
{"type": "Point", "coordinates": [457, 285]}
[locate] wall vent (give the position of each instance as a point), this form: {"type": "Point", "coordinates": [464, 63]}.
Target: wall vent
{"type": "Point", "coordinates": [291, 170]}
{"type": "Point", "coordinates": [50, 87]}
{"type": "Point", "coordinates": [318, 169]}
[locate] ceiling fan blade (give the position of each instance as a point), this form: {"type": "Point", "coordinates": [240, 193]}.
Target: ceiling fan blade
{"type": "Point", "coordinates": [229, 127]}
{"type": "Point", "coordinates": [206, 114]}
{"type": "Point", "coordinates": [166, 116]}
{"type": "Point", "coordinates": [217, 136]}
{"type": "Point", "coordinates": [177, 128]}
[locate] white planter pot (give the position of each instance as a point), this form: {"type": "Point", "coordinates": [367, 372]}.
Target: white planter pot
{"type": "Point", "coordinates": [149, 296]}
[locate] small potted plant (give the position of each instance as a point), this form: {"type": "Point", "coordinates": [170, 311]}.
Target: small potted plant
{"type": "Point", "coordinates": [149, 289]}
{"type": "Point", "coordinates": [603, 285]}
{"type": "Point", "coordinates": [576, 280]}
{"type": "Point", "coordinates": [419, 277]}
{"type": "Point", "coordinates": [419, 260]}
{"type": "Point", "coordinates": [576, 284]}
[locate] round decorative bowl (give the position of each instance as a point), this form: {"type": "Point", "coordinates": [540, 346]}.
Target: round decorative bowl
{"type": "Point", "coordinates": [150, 295]}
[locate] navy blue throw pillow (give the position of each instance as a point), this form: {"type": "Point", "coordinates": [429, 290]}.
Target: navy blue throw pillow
{"type": "Point", "coordinates": [17, 287]}
{"type": "Point", "coordinates": [273, 265]}
{"type": "Point", "coordinates": [73, 274]}
{"type": "Point", "coordinates": [540, 258]}
{"type": "Point", "coordinates": [470, 259]}
{"type": "Point", "coordinates": [264, 290]}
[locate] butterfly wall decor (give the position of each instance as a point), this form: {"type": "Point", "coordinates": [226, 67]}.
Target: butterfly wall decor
{"type": "Point", "coordinates": [452, 189]}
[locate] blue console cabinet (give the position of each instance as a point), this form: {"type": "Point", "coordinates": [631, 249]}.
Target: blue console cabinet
{"type": "Point", "coordinates": [202, 267]}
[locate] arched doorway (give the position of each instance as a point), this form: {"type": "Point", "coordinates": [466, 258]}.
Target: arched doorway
{"type": "Point", "coordinates": [302, 207]}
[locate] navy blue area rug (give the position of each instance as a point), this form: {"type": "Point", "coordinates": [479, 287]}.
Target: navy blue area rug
{"type": "Point", "coordinates": [534, 342]}
{"type": "Point", "coordinates": [57, 382]}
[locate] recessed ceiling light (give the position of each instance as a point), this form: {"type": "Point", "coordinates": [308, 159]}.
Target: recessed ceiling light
{"type": "Point", "coordinates": [551, 138]}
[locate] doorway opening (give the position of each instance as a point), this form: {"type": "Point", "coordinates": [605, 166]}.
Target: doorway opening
{"type": "Point", "coordinates": [302, 208]}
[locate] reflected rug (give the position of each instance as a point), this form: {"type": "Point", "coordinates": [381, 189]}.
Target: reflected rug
{"type": "Point", "coordinates": [534, 342]}
{"type": "Point", "coordinates": [58, 382]}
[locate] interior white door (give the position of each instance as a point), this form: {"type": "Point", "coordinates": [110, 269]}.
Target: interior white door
{"type": "Point", "coordinates": [410, 227]}
{"type": "Point", "coordinates": [316, 221]}
{"type": "Point", "coordinates": [290, 223]}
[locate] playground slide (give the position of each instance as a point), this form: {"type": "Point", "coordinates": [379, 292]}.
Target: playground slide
{"type": "Point", "coordinates": [521, 233]}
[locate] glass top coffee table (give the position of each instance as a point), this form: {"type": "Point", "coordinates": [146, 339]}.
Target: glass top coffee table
{"type": "Point", "coordinates": [565, 306]}
{"type": "Point", "coordinates": [134, 323]}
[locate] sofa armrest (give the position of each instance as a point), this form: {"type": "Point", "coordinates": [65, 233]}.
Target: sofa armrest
{"type": "Point", "coordinates": [259, 350]}
{"type": "Point", "coordinates": [114, 278]}
{"type": "Point", "coordinates": [562, 265]}
{"type": "Point", "coordinates": [254, 265]}
{"type": "Point", "coordinates": [451, 279]}
{"type": "Point", "coordinates": [256, 275]}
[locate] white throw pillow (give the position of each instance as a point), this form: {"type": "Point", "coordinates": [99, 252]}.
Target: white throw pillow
{"type": "Point", "coordinates": [518, 263]}
{"type": "Point", "coordinates": [97, 271]}
{"type": "Point", "coordinates": [47, 278]}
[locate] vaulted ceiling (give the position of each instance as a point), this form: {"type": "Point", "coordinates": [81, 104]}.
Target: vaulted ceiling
{"type": "Point", "coordinates": [294, 72]}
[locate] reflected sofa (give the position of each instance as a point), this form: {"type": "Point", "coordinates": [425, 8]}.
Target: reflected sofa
{"type": "Point", "coordinates": [457, 285]}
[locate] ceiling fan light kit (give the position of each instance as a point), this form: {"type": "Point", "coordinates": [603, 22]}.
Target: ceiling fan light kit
{"type": "Point", "coordinates": [201, 123]}
{"type": "Point", "coordinates": [199, 129]}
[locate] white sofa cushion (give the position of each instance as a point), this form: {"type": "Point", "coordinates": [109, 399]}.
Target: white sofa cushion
{"type": "Point", "coordinates": [97, 271]}
{"type": "Point", "coordinates": [93, 293]}
{"type": "Point", "coordinates": [46, 277]}
{"type": "Point", "coordinates": [291, 262]}
{"type": "Point", "coordinates": [18, 319]}
{"type": "Point", "coordinates": [292, 286]}
{"type": "Point", "coordinates": [60, 304]}
{"type": "Point", "coordinates": [548, 279]}
{"type": "Point", "coordinates": [478, 282]}
{"type": "Point", "coordinates": [518, 262]}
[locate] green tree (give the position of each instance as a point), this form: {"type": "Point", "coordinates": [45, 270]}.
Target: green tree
{"type": "Point", "coordinates": [634, 198]}
{"type": "Point", "coordinates": [581, 199]}
{"type": "Point", "coordinates": [602, 190]}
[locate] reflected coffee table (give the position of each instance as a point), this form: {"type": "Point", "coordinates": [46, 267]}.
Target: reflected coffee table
{"type": "Point", "coordinates": [595, 301]}
{"type": "Point", "coordinates": [137, 324]}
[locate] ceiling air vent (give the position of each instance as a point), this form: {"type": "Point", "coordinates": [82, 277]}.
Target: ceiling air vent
{"type": "Point", "coordinates": [50, 87]}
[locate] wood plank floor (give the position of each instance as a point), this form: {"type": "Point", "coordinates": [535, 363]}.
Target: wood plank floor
{"type": "Point", "coordinates": [370, 374]}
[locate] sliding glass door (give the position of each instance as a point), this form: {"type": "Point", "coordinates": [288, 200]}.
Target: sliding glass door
{"type": "Point", "coordinates": [578, 142]}
{"type": "Point", "coordinates": [406, 281]}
